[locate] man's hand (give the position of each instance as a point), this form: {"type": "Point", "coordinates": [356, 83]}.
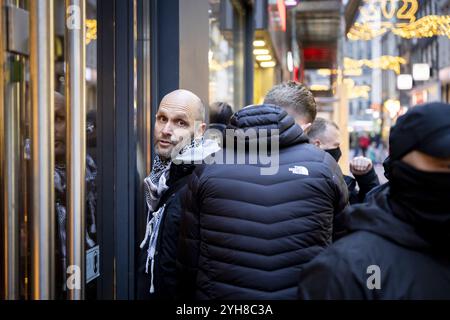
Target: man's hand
{"type": "Point", "coordinates": [360, 166]}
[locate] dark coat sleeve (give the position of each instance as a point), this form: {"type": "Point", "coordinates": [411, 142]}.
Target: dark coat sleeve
{"type": "Point", "coordinates": [340, 196]}
{"type": "Point", "coordinates": [330, 276]}
{"type": "Point", "coordinates": [366, 183]}
{"type": "Point", "coordinates": [352, 190]}
{"type": "Point", "coordinates": [189, 240]}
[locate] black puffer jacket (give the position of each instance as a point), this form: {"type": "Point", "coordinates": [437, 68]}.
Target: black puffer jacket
{"type": "Point", "coordinates": [245, 235]}
{"type": "Point", "coordinates": [383, 247]}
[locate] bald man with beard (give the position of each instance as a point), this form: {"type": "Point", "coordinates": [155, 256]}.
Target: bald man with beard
{"type": "Point", "coordinates": [179, 144]}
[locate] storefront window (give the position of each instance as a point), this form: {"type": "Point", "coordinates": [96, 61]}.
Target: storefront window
{"type": "Point", "coordinates": [226, 53]}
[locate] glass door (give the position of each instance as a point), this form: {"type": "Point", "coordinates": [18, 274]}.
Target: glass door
{"type": "Point", "coordinates": [30, 269]}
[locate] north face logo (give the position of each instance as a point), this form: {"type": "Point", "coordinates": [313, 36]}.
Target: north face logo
{"type": "Point", "coordinates": [299, 170]}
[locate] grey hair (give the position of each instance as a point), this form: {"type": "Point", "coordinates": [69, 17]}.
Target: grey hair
{"type": "Point", "coordinates": [295, 96]}
{"type": "Point", "coordinates": [318, 128]}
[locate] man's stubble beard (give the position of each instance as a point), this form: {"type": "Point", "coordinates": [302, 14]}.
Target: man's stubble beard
{"type": "Point", "coordinates": [166, 154]}
{"type": "Point", "coordinates": [176, 148]}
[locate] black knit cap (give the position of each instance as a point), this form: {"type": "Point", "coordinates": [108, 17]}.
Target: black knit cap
{"type": "Point", "coordinates": [425, 128]}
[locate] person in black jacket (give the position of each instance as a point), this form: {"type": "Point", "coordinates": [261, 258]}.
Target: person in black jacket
{"type": "Point", "coordinates": [179, 127]}
{"type": "Point", "coordinates": [220, 115]}
{"type": "Point", "coordinates": [398, 242]}
{"type": "Point", "coordinates": [296, 99]}
{"type": "Point", "coordinates": [245, 235]}
{"type": "Point", "coordinates": [325, 134]}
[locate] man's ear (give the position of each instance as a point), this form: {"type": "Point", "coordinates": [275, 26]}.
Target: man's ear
{"type": "Point", "coordinates": [200, 131]}
{"type": "Point", "coordinates": [306, 127]}
{"type": "Point", "coordinates": [316, 142]}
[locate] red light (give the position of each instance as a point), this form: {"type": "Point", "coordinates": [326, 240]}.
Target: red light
{"type": "Point", "coordinates": [318, 54]}
{"type": "Point", "coordinates": [296, 74]}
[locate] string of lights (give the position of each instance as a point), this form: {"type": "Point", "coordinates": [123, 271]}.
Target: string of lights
{"type": "Point", "coordinates": [425, 27]}
{"type": "Point", "coordinates": [91, 32]}
{"type": "Point", "coordinates": [354, 91]}
{"type": "Point", "coordinates": [353, 67]}
{"type": "Point", "coordinates": [428, 26]}
{"type": "Point", "coordinates": [383, 62]}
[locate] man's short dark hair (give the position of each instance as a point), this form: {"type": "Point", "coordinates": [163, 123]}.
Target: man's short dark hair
{"type": "Point", "coordinates": [295, 96]}
{"type": "Point", "coordinates": [220, 112]}
{"type": "Point", "coordinates": [318, 128]}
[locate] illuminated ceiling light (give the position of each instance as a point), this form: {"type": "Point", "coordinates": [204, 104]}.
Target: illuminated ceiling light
{"type": "Point", "coordinates": [404, 82]}
{"type": "Point", "coordinates": [324, 72]}
{"type": "Point", "coordinates": [259, 43]}
{"type": "Point", "coordinates": [319, 87]}
{"type": "Point", "coordinates": [265, 57]}
{"type": "Point", "coordinates": [290, 3]}
{"type": "Point", "coordinates": [268, 64]}
{"type": "Point", "coordinates": [260, 51]}
{"type": "Point", "coordinates": [421, 71]}
{"type": "Point", "coordinates": [290, 61]}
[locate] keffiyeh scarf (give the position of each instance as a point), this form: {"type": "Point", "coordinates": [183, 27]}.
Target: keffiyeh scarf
{"type": "Point", "coordinates": [155, 186]}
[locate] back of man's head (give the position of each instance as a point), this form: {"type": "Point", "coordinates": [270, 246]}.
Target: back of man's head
{"type": "Point", "coordinates": [424, 128]}
{"type": "Point", "coordinates": [319, 127]}
{"type": "Point", "coordinates": [220, 112]}
{"type": "Point", "coordinates": [296, 99]}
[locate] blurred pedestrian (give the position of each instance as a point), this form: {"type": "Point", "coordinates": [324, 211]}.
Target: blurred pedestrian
{"type": "Point", "coordinates": [372, 152]}
{"type": "Point", "coordinates": [325, 135]}
{"type": "Point", "coordinates": [219, 117]}
{"type": "Point", "coordinates": [363, 143]}
{"type": "Point", "coordinates": [398, 242]}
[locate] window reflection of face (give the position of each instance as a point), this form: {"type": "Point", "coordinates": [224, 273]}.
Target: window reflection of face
{"type": "Point", "coordinates": [60, 129]}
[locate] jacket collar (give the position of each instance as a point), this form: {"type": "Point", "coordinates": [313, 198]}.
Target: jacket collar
{"type": "Point", "coordinates": [268, 117]}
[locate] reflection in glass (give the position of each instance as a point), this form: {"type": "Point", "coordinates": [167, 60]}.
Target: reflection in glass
{"type": "Point", "coordinates": [60, 146]}
{"type": "Point", "coordinates": [220, 57]}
